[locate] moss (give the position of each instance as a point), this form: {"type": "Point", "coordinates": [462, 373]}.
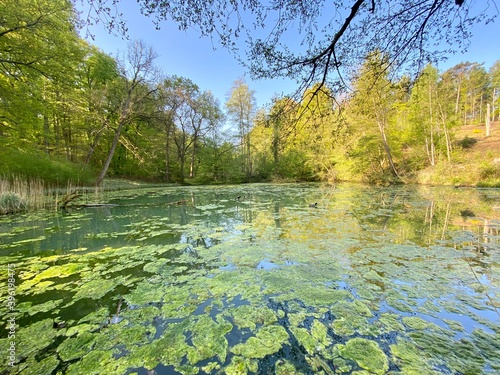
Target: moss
{"type": "Point", "coordinates": [320, 333]}
{"type": "Point", "coordinates": [296, 319]}
{"type": "Point", "coordinates": [177, 303]}
{"type": "Point", "coordinates": [137, 334]}
{"type": "Point", "coordinates": [172, 346]}
{"type": "Point", "coordinates": [315, 296]}
{"type": "Point", "coordinates": [319, 366]}
{"type": "Point", "coordinates": [183, 283]}
{"type": "Point", "coordinates": [352, 317]}
{"type": "Point", "coordinates": [398, 304]}
{"type": "Point", "coordinates": [61, 271]}
{"type": "Point", "coordinates": [489, 346]}
{"type": "Point", "coordinates": [375, 277]}
{"type": "Point", "coordinates": [349, 326]}
{"type": "Point", "coordinates": [346, 308]}
{"type": "Point", "coordinates": [99, 316]}
{"type": "Point", "coordinates": [366, 353]}
{"type": "Point", "coordinates": [144, 314]}
{"type": "Point", "coordinates": [160, 266]}
{"type": "Point", "coordinates": [210, 367]}
{"type": "Point", "coordinates": [187, 369]}
{"type": "Point", "coordinates": [454, 325]}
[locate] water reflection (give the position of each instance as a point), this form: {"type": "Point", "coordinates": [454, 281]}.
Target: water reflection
{"type": "Point", "coordinates": [398, 265]}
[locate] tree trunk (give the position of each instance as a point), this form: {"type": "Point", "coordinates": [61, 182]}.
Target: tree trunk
{"type": "Point", "coordinates": [191, 164]}
{"type": "Point", "coordinates": [167, 152]}
{"type": "Point", "coordinates": [95, 142]}
{"type": "Point", "coordinates": [249, 158]}
{"type": "Point", "coordinates": [488, 120]}
{"type": "Point", "coordinates": [458, 98]}
{"type": "Point", "coordinates": [433, 149]}
{"type": "Point", "coordinates": [110, 154]}
{"type": "Point", "coordinates": [46, 131]}
{"type": "Point", "coordinates": [388, 150]}
{"type": "Point", "coordinates": [181, 165]}
{"type": "Point", "coordinates": [493, 104]}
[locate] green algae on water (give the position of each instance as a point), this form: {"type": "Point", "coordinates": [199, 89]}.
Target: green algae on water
{"type": "Point", "coordinates": [268, 340]}
{"type": "Point", "coordinates": [366, 353]}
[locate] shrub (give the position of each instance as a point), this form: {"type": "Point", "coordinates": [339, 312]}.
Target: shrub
{"type": "Point", "coordinates": [466, 142]}
{"type": "Point", "coordinates": [11, 203]}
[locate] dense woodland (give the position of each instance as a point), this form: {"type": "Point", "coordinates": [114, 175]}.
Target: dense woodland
{"type": "Point", "coordinates": [68, 111]}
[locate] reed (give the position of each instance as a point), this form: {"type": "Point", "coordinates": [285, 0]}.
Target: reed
{"type": "Point", "coordinates": [18, 194]}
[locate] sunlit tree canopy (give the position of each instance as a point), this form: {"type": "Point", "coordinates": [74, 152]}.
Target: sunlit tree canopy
{"type": "Point", "coordinates": [317, 40]}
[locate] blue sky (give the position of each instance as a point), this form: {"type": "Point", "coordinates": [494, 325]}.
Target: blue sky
{"type": "Point", "coordinates": [186, 54]}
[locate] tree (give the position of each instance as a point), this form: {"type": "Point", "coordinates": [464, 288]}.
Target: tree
{"type": "Point", "coordinates": [424, 110]}
{"type": "Point", "coordinates": [137, 83]}
{"type": "Point", "coordinates": [372, 106]}
{"type": "Point", "coordinates": [39, 52]}
{"type": "Point", "coordinates": [195, 114]}
{"type": "Point", "coordinates": [323, 134]}
{"type": "Point", "coordinates": [171, 100]}
{"type": "Point", "coordinates": [329, 37]}
{"type": "Point", "coordinates": [495, 83]}
{"type": "Point", "coordinates": [205, 115]}
{"type": "Point", "coordinates": [97, 72]}
{"type": "Point", "coordinates": [240, 107]}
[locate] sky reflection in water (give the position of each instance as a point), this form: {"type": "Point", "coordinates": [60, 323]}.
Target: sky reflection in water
{"type": "Point", "coordinates": [373, 279]}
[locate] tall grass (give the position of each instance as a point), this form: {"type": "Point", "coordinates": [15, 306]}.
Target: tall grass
{"type": "Point", "coordinates": [19, 194]}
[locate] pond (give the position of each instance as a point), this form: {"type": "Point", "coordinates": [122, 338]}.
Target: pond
{"type": "Point", "coordinates": [251, 279]}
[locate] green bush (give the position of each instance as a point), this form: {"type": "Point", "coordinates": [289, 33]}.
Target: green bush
{"type": "Point", "coordinates": [466, 142]}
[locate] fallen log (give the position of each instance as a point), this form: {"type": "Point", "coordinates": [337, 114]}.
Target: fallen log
{"type": "Point", "coordinates": [67, 199]}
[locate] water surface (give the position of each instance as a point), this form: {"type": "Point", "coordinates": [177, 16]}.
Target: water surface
{"type": "Point", "coordinates": [250, 279]}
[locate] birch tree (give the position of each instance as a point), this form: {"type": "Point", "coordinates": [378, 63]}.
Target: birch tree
{"type": "Point", "coordinates": [240, 107]}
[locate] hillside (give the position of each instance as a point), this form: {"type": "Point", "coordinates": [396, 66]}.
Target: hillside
{"type": "Point", "coordinates": [475, 161]}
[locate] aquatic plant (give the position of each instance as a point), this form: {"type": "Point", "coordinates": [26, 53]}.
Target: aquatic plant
{"type": "Point", "coordinates": [366, 353]}
{"type": "Point", "coordinates": [11, 203]}
{"type": "Point", "coordinates": [126, 299]}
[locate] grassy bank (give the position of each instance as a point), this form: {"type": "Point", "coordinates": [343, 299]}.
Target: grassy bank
{"type": "Point", "coordinates": [475, 160]}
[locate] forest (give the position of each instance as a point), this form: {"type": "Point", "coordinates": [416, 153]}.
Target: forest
{"type": "Point", "coordinates": [70, 112]}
